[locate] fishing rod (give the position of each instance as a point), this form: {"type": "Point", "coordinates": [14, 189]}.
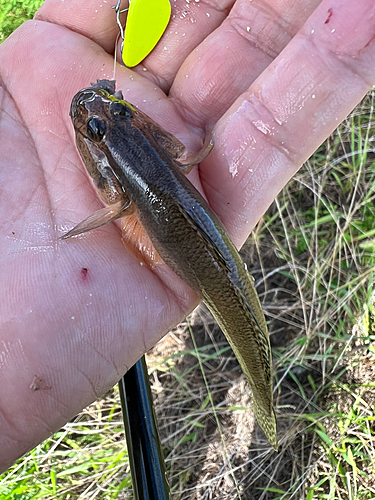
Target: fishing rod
{"type": "Point", "coordinates": [144, 447]}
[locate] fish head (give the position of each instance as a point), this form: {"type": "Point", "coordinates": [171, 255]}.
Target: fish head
{"type": "Point", "coordinates": [97, 111]}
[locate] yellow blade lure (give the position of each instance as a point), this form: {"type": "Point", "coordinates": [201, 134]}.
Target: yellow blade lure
{"type": "Point", "coordinates": [146, 22]}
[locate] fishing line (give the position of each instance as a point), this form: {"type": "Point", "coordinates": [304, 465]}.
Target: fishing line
{"type": "Point", "coordinates": [120, 33]}
{"type": "Point", "coordinates": [115, 58]}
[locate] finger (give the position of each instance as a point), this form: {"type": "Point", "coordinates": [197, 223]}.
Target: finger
{"type": "Point", "coordinates": [191, 22]}
{"type": "Point", "coordinates": [288, 111]}
{"type": "Point", "coordinates": [94, 19]}
{"type": "Point", "coordinates": [234, 55]}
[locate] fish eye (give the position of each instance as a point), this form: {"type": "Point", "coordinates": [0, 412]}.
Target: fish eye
{"type": "Point", "coordinates": [96, 129]}
{"type": "Point", "coordinates": [119, 109]}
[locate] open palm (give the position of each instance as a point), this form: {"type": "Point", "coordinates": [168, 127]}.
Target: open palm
{"type": "Point", "coordinates": [74, 315]}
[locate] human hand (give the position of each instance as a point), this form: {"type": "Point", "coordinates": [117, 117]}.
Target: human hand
{"type": "Point", "coordinates": [74, 315]}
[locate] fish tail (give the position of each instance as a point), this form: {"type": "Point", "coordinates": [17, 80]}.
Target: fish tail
{"type": "Point", "coordinates": [267, 422]}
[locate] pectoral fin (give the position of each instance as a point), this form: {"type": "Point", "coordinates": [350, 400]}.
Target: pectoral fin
{"type": "Point", "coordinates": [187, 160]}
{"type": "Point", "coordinates": [171, 144]}
{"type": "Point", "coordinates": [165, 139]}
{"type": "Point", "coordinates": [100, 218]}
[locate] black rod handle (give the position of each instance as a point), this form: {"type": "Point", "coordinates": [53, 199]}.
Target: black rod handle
{"type": "Point", "coordinates": [142, 436]}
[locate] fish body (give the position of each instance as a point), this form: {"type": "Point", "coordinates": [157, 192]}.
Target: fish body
{"type": "Point", "coordinates": [133, 165]}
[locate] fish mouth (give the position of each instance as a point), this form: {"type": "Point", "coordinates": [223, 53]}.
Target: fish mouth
{"type": "Point", "coordinates": [78, 105]}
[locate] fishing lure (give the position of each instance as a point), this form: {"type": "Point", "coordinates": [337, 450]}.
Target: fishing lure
{"type": "Point", "coordinates": [146, 22]}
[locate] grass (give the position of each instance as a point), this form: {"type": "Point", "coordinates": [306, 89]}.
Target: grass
{"type": "Point", "coordinates": [86, 456]}
{"type": "Point", "coordinates": [313, 257]}
{"type": "Point", "coordinates": [14, 12]}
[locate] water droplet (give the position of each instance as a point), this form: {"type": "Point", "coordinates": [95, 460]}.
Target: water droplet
{"type": "Point", "coordinates": [233, 169]}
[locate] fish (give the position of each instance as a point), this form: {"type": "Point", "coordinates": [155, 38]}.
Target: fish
{"type": "Point", "coordinates": [139, 169]}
